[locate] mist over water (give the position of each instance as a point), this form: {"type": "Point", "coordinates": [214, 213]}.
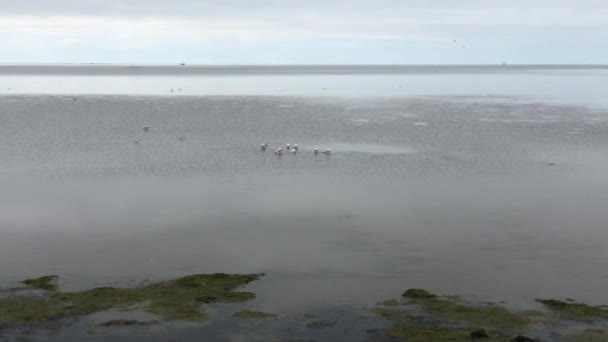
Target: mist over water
{"type": "Point", "coordinates": [499, 196]}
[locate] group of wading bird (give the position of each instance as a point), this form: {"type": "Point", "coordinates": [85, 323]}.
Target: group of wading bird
{"type": "Point", "coordinates": [264, 147]}
{"type": "Point", "coordinates": [294, 149]}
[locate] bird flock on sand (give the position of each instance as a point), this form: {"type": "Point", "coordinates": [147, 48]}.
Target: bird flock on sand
{"type": "Point", "coordinates": [293, 149]}
{"type": "Point", "coordinates": [279, 151]}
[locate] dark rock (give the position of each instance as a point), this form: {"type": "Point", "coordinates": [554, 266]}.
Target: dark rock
{"type": "Point", "coordinates": [479, 334]}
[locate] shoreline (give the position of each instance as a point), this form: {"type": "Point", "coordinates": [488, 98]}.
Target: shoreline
{"type": "Point", "coordinates": [259, 70]}
{"type": "Point", "coordinates": [415, 315]}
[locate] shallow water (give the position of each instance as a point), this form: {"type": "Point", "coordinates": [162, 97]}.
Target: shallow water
{"type": "Point", "coordinates": [570, 84]}
{"type": "Point", "coordinates": [499, 197]}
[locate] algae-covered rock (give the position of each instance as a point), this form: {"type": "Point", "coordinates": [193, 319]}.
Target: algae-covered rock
{"type": "Point", "coordinates": [178, 299]}
{"type": "Point", "coordinates": [450, 318]}
{"type": "Point", "coordinates": [414, 333]}
{"type": "Point", "coordinates": [521, 338]}
{"type": "Point", "coordinates": [178, 310]}
{"type": "Point", "coordinates": [575, 311]}
{"type": "Point", "coordinates": [254, 314]}
{"type": "Point", "coordinates": [124, 323]}
{"type": "Point", "coordinates": [320, 324]}
{"type": "Point", "coordinates": [48, 283]}
{"type": "Point", "coordinates": [479, 334]}
{"type": "Point", "coordinates": [484, 315]}
{"type": "Point", "coordinates": [589, 335]}
{"type": "Point", "coordinates": [395, 314]}
{"type": "Point", "coordinates": [418, 294]}
{"type": "Point", "coordinates": [29, 311]}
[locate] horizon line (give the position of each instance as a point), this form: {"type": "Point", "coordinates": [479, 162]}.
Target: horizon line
{"type": "Point", "coordinates": [183, 64]}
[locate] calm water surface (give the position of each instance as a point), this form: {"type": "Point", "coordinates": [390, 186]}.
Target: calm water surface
{"type": "Point", "coordinates": [480, 182]}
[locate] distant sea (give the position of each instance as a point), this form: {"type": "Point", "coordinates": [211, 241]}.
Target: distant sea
{"type": "Point", "coordinates": [582, 84]}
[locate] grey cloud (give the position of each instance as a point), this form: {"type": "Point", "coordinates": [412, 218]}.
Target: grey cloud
{"type": "Point", "coordinates": [327, 29]}
{"type": "Point", "coordinates": [269, 7]}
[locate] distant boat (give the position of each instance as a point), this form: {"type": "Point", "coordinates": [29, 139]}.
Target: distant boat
{"type": "Point", "coordinates": [183, 64]}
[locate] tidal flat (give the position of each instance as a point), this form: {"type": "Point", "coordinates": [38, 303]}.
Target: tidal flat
{"type": "Point", "coordinates": [485, 191]}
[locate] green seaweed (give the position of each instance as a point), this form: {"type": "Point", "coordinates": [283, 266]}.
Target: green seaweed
{"type": "Point", "coordinates": [178, 299]}
{"type": "Point", "coordinates": [254, 314]}
{"type": "Point", "coordinates": [450, 318]}
{"type": "Point", "coordinates": [124, 323]}
{"type": "Point", "coordinates": [454, 311]}
{"type": "Point", "coordinates": [413, 333]}
{"type": "Point", "coordinates": [575, 311]}
{"type": "Point", "coordinates": [29, 311]}
{"type": "Point", "coordinates": [320, 324]}
{"type": "Point", "coordinates": [589, 335]}
{"type": "Point", "coordinates": [395, 314]}
{"type": "Point", "coordinates": [48, 283]}
{"type": "Point", "coordinates": [178, 311]}
{"type": "Point", "coordinates": [418, 294]}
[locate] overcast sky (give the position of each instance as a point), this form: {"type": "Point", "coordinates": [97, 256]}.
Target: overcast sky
{"type": "Point", "coordinates": [304, 31]}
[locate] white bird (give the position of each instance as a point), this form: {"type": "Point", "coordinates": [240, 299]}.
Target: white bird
{"type": "Point", "coordinates": [295, 147]}
{"type": "Point", "coordinates": [279, 151]}
{"type": "Point", "coordinates": [288, 149]}
{"type": "Point", "coordinates": [316, 151]}
{"type": "Point", "coordinates": [328, 151]}
{"type": "Point", "coordinates": [294, 151]}
{"type": "Point", "coordinates": [263, 147]}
